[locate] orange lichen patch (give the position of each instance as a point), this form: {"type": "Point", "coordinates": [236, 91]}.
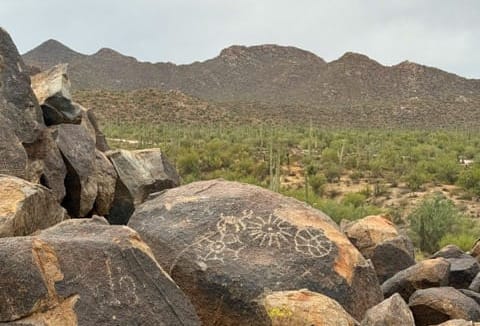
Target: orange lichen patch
{"type": "Point", "coordinates": [47, 261]}
{"type": "Point", "coordinates": [61, 315]}
{"type": "Point", "coordinates": [348, 256]}
{"type": "Point", "coordinates": [180, 200]}
{"type": "Point", "coordinates": [10, 196]}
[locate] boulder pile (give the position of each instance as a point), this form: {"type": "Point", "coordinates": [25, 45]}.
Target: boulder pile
{"type": "Point", "coordinates": [93, 236]}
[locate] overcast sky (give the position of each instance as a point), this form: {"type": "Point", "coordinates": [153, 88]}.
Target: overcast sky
{"type": "Point", "coordinates": [440, 33]}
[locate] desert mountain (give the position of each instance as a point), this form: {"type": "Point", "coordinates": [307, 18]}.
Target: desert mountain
{"type": "Point", "coordinates": [287, 82]}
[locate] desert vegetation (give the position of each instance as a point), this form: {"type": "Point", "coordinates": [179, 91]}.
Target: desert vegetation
{"type": "Point", "coordinates": [410, 175]}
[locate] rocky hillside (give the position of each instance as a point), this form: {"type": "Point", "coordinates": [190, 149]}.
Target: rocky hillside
{"type": "Point", "coordinates": [265, 73]}
{"type": "Point", "coordinates": [287, 84]}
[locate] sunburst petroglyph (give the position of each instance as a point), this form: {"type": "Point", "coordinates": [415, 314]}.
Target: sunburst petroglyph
{"type": "Point", "coordinates": [232, 234]}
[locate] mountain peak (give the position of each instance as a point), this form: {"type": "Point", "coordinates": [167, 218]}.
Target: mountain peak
{"type": "Point", "coordinates": [50, 53]}
{"type": "Point", "coordinates": [354, 57]}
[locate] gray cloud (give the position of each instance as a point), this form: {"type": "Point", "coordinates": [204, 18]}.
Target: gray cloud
{"type": "Point", "coordinates": [440, 33]}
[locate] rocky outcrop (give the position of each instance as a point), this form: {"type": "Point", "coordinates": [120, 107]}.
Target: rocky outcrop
{"type": "Point", "coordinates": [17, 101]}
{"type": "Point", "coordinates": [393, 311]}
{"type": "Point", "coordinates": [86, 272]}
{"type": "Point", "coordinates": [379, 240]}
{"type": "Point", "coordinates": [140, 173]}
{"type": "Point", "coordinates": [52, 89]}
{"type": "Point", "coordinates": [304, 307]}
{"type": "Point", "coordinates": [224, 243]}
{"type": "Point", "coordinates": [26, 207]}
{"type": "Point", "coordinates": [425, 274]}
{"type": "Point", "coordinates": [13, 158]}
{"type": "Point", "coordinates": [436, 305]}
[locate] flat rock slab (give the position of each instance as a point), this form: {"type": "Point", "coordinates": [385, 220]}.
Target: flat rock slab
{"type": "Point", "coordinates": [437, 305]}
{"type": "Point", "coordinates": [86, 272]}
{"type": "Point", "coordinates": [225, 243]}
{"type": "Point", "coordinates": [26, 207]}
{"type": "Point", "coordinates": [425, 274]}
{"type": "Point", "coordinates": [305, 307]}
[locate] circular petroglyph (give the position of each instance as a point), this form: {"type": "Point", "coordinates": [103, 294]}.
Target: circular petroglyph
{"type": "Point", "coordinates": [271, 231]}
{"type": "Point", "coordinates": [312, 242]}
{"type": "Point", "coordinates": [219, 246]}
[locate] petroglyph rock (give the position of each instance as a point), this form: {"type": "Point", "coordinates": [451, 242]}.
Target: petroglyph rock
{"type": "Point", "coordinates": [86, 272]}
{"type": "Point", "coordinates": [225, 243]}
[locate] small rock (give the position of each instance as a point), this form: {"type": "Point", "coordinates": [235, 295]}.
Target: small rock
{"type": "Point", "coordinates": [475, 285]}
{"type": "Point", "coordinates": [449, 251]}
{"type": "Point", "coordinates": [425, 274]}
{"type": "Point", "coordinates": [437, 305]}
{"type": "Point", "coordinates": [393, 311]}
{"type": "Point", "coordinates": [471, 294]}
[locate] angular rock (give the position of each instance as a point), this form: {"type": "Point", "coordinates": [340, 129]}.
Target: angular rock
{"type": "Point", "coordinates": [471, 294]}
{"type": "Point", "coordinates": [463, 271]}
{"type": "Point", "coordinates": [100, 139]}
{"type": "Point", "coordinates": [475, 251]}
{"type": "Point", "coordinates": [26, 207]}
{"type": "Point", "coordinates": [225, 243]}
{"type": "Point", "coordinates": [140, 173]}
{"type": "Point", "coordinates": [425, 274]}
{"type": "Point", "coordinates": [46, 164]}
{"type": "Point", "coordinates": [449, 251]}
{"type": "Point", "coordinates": [304, 307]}
{"type": "Point", "coordinates": [86, 272]}
{"type": "Point", "coordinates": [379, 240]}
{"type": "Point", "coordinates": [52, 89]}
{"type": "Point", "coordinates": [17, 102]}
{"type": "Point", "coordinates": [475, 285]}
{"type": "Point", "coordinates": [78, 150]}
{"type": "Point", "coordinates": [437, 305]}
{"type": "Point", "coordinates": [106, 178]}
{"type": "Point", "coordinates": [393, 311]}
{"type": "Point", "coordinates": [13, 158]}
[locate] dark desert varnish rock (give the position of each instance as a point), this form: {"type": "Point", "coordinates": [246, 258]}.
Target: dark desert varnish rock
{"type": "Point", "coordinates": [140, 173]}
{"type": "Point", "coordinates": [436, 305]}
{"type": "Point", "coordinates": [379, 240]}
{"type": "Point", "coordinates": [86, 272]}
{"type": "Point", "coordinates": [26, 207]}
{"type": "Point", "coordinates": [226, 243]}
{"type": "Point", "coordinates": [425, 274]}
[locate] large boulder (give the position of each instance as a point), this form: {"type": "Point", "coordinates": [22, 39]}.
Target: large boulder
{"type": "Point", "coordinates": [86, 272]}
{"type": "Point", "coordinates": [379, 240]}
{"type": "Point", "coordinates": [475, 285]}
{"type": "Point", "coordinates": [437, 305]}
{"type": "Point", "coordinates": [17, 101]}
{"type": "Point", "coordinates": [393, 311]}
{"type": "Point", "coordinates": [46, 165]}
{"type": "Point", "coordinates": [26, 207]}
{"type": "Point", "coordinates": [140, 173]}
{"type": "Point", "coordinates": [304, 307]}
{"type": "Point", "coordinates": [459, 322]}
{"type": "Point", "coordinates": [78, 150]}
{"type": "Point", "coordinates": [225, 243]}
{"type": "Point", "coordinates": [425, 274]}
{"type": "Point", "coordinates": [52, 89]}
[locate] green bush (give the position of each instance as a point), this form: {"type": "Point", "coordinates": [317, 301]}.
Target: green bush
{"type": "Point", "coordinates": [433, 218]}
{"type": "Point", "coordinates": [355, 199]}
{"type": "Point", "coordinates": [317, 182]}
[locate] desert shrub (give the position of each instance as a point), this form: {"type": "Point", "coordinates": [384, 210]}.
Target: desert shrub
{"type": "Point", "coordinates": [431, 220]}
{"type": "Point", "coordinates": [338, 211]}
{"type": "Point", "coordinates": [355, 199]}
{"type": "Point", "coordinates": [464, 241]}
{"type": "Point", "coordinates": [469, 179]}
{"type": "Point", "coordinates": [332, 172]}
{"type": "Point", "coordinates": [317, 182]}
{"type": "Point", "coordinates": [416, 179]}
